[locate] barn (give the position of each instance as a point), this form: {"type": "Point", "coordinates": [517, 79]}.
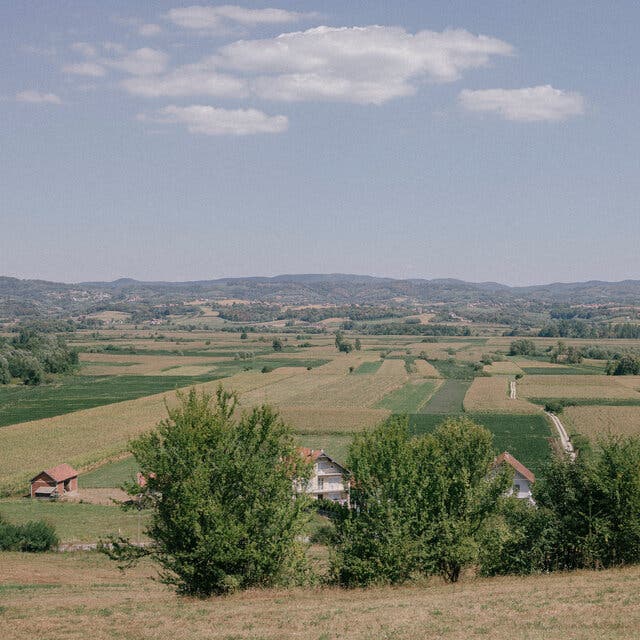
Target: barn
{"type": "Point", "coordinates": [54, 482]}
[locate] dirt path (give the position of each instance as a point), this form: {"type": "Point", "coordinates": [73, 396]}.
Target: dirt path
{"type": "Point", "coordinates": [512, 390]}
{"type": "Point", "coordinates": [564, 436]}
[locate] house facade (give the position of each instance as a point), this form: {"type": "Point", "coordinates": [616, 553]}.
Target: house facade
{"type": "Point", "coordinates": [327, 478]}
{"type": "Point", "coordinates": [54, 482]}
{"type": "Point", "coordinates": [523, 478]}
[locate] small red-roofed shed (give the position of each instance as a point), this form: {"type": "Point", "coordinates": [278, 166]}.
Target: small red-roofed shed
{"type": "Point", "coordinates": [54, 482]}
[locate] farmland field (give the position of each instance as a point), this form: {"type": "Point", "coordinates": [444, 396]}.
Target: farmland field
{"type": "Point", "coordinates": [599, 421]}
{"type": "Point", "coordinates": [112, 474]}
{"type": "Point", "coordinates": [72, 596]}
{"type": "Point", "coordinates": [448, 398]}
{"type": "Point", "coordinates": [550, 386]}
{"type": "Point", "coordinates": [524, 436]}
{"type": "Point", "coordinates": [492, 395]}
{"type": "Point", "coordinates": [409, 398]}
{"type": "Point", "coordinates": [368, 367]}
{"type": "Point", "coordinates": [73, 393]}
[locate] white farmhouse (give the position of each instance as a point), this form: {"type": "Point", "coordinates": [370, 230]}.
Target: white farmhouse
{"type": "Point", "coordinates": [523, 478]}
{"type": "Point", "coordinates": [327, 478]}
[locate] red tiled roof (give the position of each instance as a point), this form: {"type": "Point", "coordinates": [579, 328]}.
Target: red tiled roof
{"type": "Point", "coordinates": [60, 473]}
{"type": "Point", "coordinates": [516, 464]}
{"type": "Point", "coordinates": [310, 455]}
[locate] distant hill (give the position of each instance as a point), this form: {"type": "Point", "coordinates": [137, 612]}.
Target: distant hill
{"type": "Point", "coordinates": [37, 297]}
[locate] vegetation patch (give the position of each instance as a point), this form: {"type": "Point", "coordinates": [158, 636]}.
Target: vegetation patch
{"type": "Point", "coordinates": [448, 399]}
{"type": "Point", "coordinates": [559, 370]}
{"type": "Point", "coordinates": [524, 436]}
{"type": "Point", "coordinates": [112, 474]}
{"type": "Point", "coordinates": [368, 367]}
{"type": "Point", "coordinates": [455, 369]}
{"type": "Point", "coordinates": [408, 398]}
{"type": "Point", "coordinates": [24, 403]}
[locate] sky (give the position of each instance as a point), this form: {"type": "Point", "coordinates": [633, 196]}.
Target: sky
{"type": "Point", "coordinates": [487, 141]}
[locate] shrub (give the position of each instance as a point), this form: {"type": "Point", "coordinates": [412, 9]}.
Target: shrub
{"type": "Point", "coordinates": [35, 536]}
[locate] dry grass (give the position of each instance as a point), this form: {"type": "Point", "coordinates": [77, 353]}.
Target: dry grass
{"type": "Point", "coordinates": [505, 367]}
{"type": "Point", "coordinates": [491, 395]}
{"type": "Point", "coordinates": [602, 420]}
{"type": "Point", "coordinates": [82, 595]}
{"type": "Point", "coordinates": [566, 386]}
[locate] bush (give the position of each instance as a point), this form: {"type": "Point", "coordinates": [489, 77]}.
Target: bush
{"type": "Point", "coordinates": [35, 536]}
{"type": "Point", "coordinates": [554, 406]}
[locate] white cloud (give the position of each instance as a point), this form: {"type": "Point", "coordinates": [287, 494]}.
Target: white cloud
{"type": "Point", "coordinates": [371, 64]}
{"type": "Point", "coordinates": [213, 121]}
{"type": "Point", "coordinates": [85, 49]}
{"type": "Point", "coordinates": [141, 62]}
{"type": "Point", "coordinates": [85, 69]}
{"type": "Point", "coordinates": [37, 97]}
{"type": "Point", "coordinates": [149, 30]}
{"type": "Point", "coordinates": [206, 18]}
{"type": "Point", "coordinates": [531, 104]}
{"type": "Point", "coordinates": [188, 80]}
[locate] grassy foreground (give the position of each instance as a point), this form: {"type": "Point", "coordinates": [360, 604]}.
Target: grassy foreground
{"type": "Point", "coordinates": [81, 595]}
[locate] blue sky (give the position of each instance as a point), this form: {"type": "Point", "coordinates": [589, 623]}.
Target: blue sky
{"type": "Point", "coordinates": [493, 140]}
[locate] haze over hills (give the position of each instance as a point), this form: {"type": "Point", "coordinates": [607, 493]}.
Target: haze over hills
{"type": "Point", "coordinates": [19, 296]}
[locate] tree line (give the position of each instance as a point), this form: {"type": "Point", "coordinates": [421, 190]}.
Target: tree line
{"type": "Point", "coordinates": [31, 355]}
{"type": "Point", "coordinates": [219, 486]}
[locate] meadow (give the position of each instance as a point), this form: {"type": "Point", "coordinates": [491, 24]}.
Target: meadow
{"type": "Point", "coordinates": [80, 595]}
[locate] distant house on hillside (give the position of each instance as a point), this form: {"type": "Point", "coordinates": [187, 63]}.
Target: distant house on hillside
{"type": "Point", "coordinates": [327, 478]}
{"type": "Point", "coordinates": [523, 478]}
{"type": "Point", "coordinates": [54, 482]}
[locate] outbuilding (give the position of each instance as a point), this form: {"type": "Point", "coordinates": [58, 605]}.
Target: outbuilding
{"type": "Point", "coordinates": [55, 482]}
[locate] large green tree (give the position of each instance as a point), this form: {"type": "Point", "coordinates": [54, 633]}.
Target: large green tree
{"type": "Point", "coordinates": [419, 503]}
{"type": "Point", "coordinates": [221, 493]}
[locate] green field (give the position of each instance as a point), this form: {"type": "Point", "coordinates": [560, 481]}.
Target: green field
{"type": "Point", "coordinates": [524, 436]}
{"type": "Point", "coordinates": [369, 367]}
{"type": "Point", "coordinates": [589, 402]}
{"type": "Point", "coordinates": [409, 398]}
{"type": "Point", "coordinates": [454, 369]}
{"type": "Point", "coordinates": [112, 474]}
{"type": "Point", "coordinates": [75, 522]}
{"type": "Point", "coordinates": [564, 371]}
{"type": "Point", "coordinates": [72, 393]}
{"type": "Point", "coordinates": [448, 398]}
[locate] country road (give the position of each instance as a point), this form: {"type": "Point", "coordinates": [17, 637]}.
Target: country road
{"type": "Point", "coordinates": [564, 437]}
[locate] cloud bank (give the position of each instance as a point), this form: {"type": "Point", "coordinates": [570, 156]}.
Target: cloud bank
{"type": "Point", "coordinates": [531, 104]}
{"type": "Point", "coordinates": [213, 121]}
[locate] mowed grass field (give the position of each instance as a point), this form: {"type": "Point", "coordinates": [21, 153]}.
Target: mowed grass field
{"type": "Point", "coordinates": [77, 522]}
{"type": "Point", "coordinates": [71, 596]}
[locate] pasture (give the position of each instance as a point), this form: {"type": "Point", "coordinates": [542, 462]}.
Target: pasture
{"type": "Point", "coordinates": [79, 595]}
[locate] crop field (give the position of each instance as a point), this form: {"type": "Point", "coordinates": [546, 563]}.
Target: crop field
{"type": "Point", "coordinates": [368, 367]}
{"type": "Point", "coordinates": [597, 421]}
{"type": "Point", "coordinates": [426, 369]}
{"type": "Point", "coordinates": [112, 364]}
{"type": "Point", "coordinates": [73, 393]}
{"type": "Point", "coordinates": [73, 596]}
{"type": "Point", "coordinates": [410, 397]}
{"type": "Point", "coordinates": [550, 386]}
{"type": "Point", "coordinates": [524, 436]}
{"type": "Point", "coordinates": [448, 398]}
{"type": "Point", "coordinates": [492, 395]}
{"type": "Point", "coordinates": [505, 367]}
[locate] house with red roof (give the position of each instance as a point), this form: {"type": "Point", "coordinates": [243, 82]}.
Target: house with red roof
{"type": "Point", "coordinates": [523, 478]}
{"type": "Point", "coordinates": [327, 481]}
{"type": "Point", "coordinates": [55, 482]}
